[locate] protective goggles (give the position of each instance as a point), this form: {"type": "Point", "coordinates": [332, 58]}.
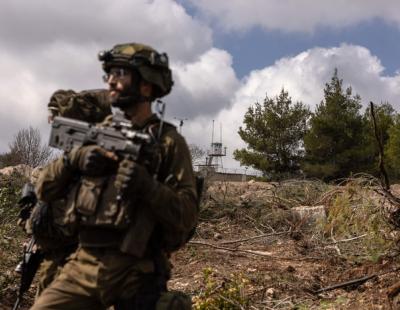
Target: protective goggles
{"type": "Point", "coordinates": [116, 73]}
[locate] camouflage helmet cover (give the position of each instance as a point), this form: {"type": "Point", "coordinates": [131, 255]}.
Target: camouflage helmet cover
{"type": "Point", "coordinates": [151, 65]}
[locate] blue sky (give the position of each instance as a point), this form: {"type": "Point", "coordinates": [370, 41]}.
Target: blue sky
{"type": "Point", "coordinates": [258, 48]}
{"type": "Point", "coordinates": [225, 55]}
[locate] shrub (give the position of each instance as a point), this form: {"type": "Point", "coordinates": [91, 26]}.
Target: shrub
{"type": "Point", "coordinates": [228, 293]}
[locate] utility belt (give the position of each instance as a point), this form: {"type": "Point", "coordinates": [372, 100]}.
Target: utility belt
{"type": "Point", "coordinates": [97, 237]}
{"type": "Point", "coordinates": [60, 252]}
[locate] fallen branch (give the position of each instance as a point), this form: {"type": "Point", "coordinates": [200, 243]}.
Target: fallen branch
{"type": "Point", "coordinates": [256, 253]}
{"type": "Point", "coordinates": [357, 282]}
{"type": "Point", "coordinates": [345, 240]}
{"type": "Point", "coordinates": [351, 239]}
{"type": "Point", "coordinates": [256, 237]}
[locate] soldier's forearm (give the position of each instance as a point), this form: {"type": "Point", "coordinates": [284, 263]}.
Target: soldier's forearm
{"type": "Point", "coordinates": [176, 209]}
{"type": "Point", "coordinates": [54, 180]}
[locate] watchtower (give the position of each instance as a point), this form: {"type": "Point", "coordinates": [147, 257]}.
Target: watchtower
{"type": "Point", "coordinates": [215, 154]}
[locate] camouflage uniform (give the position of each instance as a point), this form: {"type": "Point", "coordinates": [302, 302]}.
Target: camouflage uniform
{"type": "Point", "coordinates": [56, 240]}
{"type": "Point", "coordinates": [90, 106]}
{"type": "Point", "coordinates": [122, 258]}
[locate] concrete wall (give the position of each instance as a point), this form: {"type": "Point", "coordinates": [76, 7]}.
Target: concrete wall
{"type": "Point", "coordinates": [228, 177]}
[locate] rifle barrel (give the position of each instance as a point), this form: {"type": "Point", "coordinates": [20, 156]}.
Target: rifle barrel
{"type": "Point", "coordinates": [17, 302]}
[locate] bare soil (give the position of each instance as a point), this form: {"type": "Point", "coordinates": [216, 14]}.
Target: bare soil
{"type": "Point", "coordinates": [287, 274]}
{"type": "Point", "coordinates": [247, 231]}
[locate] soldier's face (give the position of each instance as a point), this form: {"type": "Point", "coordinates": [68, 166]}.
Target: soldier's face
{"type": "Point", "coordinates": [120, 81]}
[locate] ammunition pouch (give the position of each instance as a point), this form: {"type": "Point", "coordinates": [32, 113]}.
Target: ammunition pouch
{"type": "Point", "coordinates": [96, 204]}
{"type": "Point", "coordinates": [45, 225]}
{"type": "Point", "coordinates": [40, 221]}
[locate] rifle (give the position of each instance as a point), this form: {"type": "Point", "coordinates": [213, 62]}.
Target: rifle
{"type": "Point", "coordinates": [27, 202]}
{"type": "Point", "coordinates": [31, 258]}
{"type": "Point", "coordinates": [119, 138]}
{"type": "Point", "coordinates": [30, 263]}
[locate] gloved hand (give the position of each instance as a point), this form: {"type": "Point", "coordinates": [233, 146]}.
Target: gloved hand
{"type": "Point", "coordinates": [93, 160]}
{"type": "Point", "coordinates": [134, 178]}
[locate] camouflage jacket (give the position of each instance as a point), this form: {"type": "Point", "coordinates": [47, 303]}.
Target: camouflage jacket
{"type": "Point", "coordinates": [164, 220]}
{"type": "Point", "coordinates": [88, 105]}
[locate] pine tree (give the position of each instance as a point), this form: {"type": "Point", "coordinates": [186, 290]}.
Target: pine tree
{"type": "Point", "coordinates": [274, 133]}
{"type": "Point", "coordinates": [334, 144]}
{"type": "Point", "coordinates": [392, 149]}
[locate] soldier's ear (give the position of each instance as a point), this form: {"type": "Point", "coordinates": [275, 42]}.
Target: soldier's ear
{"type": "Point", "coordinates": [146, 89]}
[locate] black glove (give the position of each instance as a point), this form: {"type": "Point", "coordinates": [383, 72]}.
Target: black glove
{"type": "Point", "coordinates": [92, 160]}
{"type": "Point", "coordinates": [134, 179]}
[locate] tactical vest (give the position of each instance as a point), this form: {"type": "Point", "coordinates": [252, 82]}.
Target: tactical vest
{"type": "Point", "coordinates": [102, 221]}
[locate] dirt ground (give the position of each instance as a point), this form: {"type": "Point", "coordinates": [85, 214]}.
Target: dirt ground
{"type": "Point", "coordinates": [285, 264]}
{"type": "Point", "coordinates": [283, 273]}
{"type": "Point", "coordinates": [242, 257]}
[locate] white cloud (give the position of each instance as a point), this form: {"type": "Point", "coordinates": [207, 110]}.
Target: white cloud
{"type": "Point", "coordinates": [21, 97]}
{"type": "Point", "coordinates": [296, 15]}
{"type": "Point", "coordinates": [304, 76]}
{"type": "Point", "coordinates": [205, 86]}
{"type": "Point", "coordinates": [104, 22]}
{"type": "Point", "coordinates": [56, 45]}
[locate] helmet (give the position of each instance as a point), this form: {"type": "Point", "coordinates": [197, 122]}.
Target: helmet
{"type": "Point", "coordinates": [151, 65]}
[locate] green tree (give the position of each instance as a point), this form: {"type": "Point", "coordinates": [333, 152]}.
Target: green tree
{"type": "Point", "coordinates": [392, 149]}
{"type": "Point", "coordinates": [273, 132]}
{"type": "Point", "coordinates": [334, 144]}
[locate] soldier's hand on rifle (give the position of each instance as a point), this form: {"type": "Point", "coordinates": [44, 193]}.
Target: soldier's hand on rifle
{"type": "Point", "coordinates": [93, 160]}
{"type": "Point", "coordinates": [134, 178]}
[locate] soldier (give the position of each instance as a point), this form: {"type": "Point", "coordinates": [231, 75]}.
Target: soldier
{"type": "Point", "coordinates": [124, 245]}
{"type": "Point", "coordinates": [56, 241]}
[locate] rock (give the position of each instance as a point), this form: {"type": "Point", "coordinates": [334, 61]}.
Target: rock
{"type": "Point", "coordinates": [22, 169]}
{"type": "Point", "coordinates": [217, 236]}
{"type": "Point", "coordinates": [312, 213]}
{"type": "Point", "coordinates": [271, 293]}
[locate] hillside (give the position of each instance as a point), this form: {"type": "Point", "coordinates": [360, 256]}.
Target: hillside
{"type": "Point", "coordinates": [273, 246]}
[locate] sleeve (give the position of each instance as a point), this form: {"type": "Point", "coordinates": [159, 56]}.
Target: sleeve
{"type": "Point", "coordinates": [174, 201]}
{"type": "Point", "coordinates": [54, 180]}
